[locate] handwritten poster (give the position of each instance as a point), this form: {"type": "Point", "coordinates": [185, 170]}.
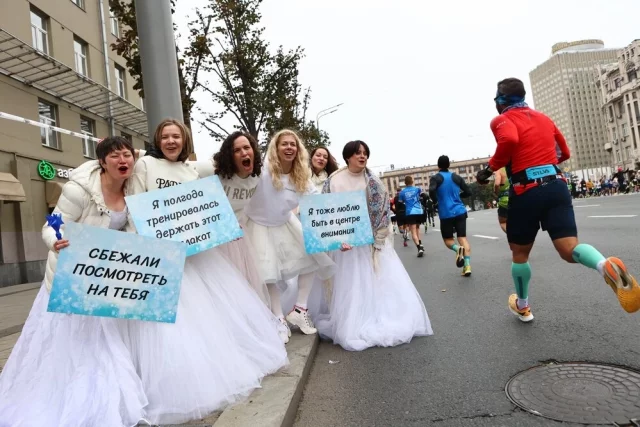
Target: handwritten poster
{"type": "Point", "coordinates": [197, 213]}
{"type": "Point", "coordinates": [115, 274]}
{"type": "Point", "coordinates": [329, 220]}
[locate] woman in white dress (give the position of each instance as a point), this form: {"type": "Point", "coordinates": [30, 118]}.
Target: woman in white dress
{"type": "Point", "coordinates": [69, 370]}
{"type": "Point", "coordinates": [238, 165]}
{"type": "Point", "coordinates": [225, 339]}
{"type": "Point", "coordinates": [322, 164]}
{"type": "Point", "coordinates": [276, 233]}
{"type": "Point", "coordinates": [373, 301]}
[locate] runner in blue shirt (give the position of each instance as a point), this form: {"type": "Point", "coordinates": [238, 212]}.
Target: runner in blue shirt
{"type": "Point", "coordinates": [414, 214]}
{"type": "Point", "coordinates": [447, 189]}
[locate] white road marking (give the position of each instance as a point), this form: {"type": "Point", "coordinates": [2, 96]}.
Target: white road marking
{"type": "Point", "coordinates": [435, 229]}
{"type": "Point", "coordinates": [611, 216]}
{"type": "Point", "coordinates": [485, 237]}
{"type": "Point", "coordinates": [585, 206]}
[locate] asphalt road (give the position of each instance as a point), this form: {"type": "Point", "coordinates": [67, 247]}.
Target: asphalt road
{"type": "Point", "coordinates": [457, 376]}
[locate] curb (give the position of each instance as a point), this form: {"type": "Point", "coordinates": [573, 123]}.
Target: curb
{"type": "Point", "coordinates": [276, 403]}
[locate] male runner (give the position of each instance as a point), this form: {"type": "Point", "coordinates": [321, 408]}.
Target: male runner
{"type": "Point", "coordinates": [414, 214]}
{"type": "Point", "coordinates": [501, 189]}
{"type": "Point", "coordinates": [530, 146]}
{"type": "Point", "coordinates": [400, 212]}
{"type": "Point", "coordinates": [444, 189]}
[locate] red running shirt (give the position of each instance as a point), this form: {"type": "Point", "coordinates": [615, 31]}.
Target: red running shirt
{"type": "Point", "coordinates": [526, 138]}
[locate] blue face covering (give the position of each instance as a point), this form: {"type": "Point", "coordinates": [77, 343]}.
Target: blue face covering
{"type": "Point", "coordinates": [512, 101]}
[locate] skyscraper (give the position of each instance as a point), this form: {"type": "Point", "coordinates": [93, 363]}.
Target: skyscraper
{"type": "Point", "coordinates": [564, 89]}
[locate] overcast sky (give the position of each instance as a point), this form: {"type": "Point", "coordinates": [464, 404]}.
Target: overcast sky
{"type": "Point", "coordinates": [418, 78]}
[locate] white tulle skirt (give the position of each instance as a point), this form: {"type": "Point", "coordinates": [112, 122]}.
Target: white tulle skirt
{"type": "Point", "coordinates": [223, 343]}
{"type": "Point", "coordinates": [281, 254]}
{"type": "Point", "coordinates": [69, 371]}
{"type": "Point", "coordinates": [240, 254]}
{"type": "Point", "coordinates": [366, 308]}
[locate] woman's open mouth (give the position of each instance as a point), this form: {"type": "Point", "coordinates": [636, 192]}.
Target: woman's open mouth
{"type": "Point", "coordinates": [123, 169]}
{"type": "Point", "coordinates": [246, 163]}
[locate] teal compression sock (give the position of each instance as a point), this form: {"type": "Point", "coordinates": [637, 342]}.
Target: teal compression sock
{"type": "Point", "coordinates": [467, 260]}
{"type": "Point", "coordinates": [454, 248]}
{"type": "Point", "coordinates": [521, 276]}
{"type": "Point", "coordinates": [588, 256]}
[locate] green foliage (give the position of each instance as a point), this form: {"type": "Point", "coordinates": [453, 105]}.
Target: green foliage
{"type": "Point", "coordinates": [259, 90]}
{"type": "Point", "coordinates": [482, 193]}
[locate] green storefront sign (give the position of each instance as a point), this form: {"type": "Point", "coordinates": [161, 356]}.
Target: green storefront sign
{"type": "Point", "coordinates": [47, 171]}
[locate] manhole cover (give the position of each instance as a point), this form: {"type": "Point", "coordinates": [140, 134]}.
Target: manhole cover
{"type": "Point", "coordinates": [585, 393]}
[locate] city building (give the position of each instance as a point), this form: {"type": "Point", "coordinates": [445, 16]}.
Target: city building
{"type": "Point", "coordinates": [564, 89]}
{"type": "Point", "coordinates": [619, 88]}
{"type": "Point", "coordinates": [393, 179]}
{"type": "Point", "coordinates": [56, 67]}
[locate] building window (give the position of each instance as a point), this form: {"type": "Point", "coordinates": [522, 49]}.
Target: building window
{"type": "Point", "coordinates": [625, 130]}
{"type": "Point", "coordinates": [115, 25]}
{"type": "Point", "coordinates": [120, 84]}
{"type": "Point", "coordinates": [88, 127]}
{"type": "Point", "coordinates": [48, 116]}
{"type": "Point", "coordinates": [80, 53]}
{"type": "Point", "coordinates": [79, 3]}
{"type": "Point", "coordinates": [39, 28]}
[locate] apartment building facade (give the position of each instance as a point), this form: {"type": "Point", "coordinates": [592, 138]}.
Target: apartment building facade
{"type": "Point", "coordinates": [467, 169]}
{"type": "Point", "coordinates": [619, 88]}
{"type": "Point", "coordinates": [56, 68]}
{"type": "Point", "coordinates": [564, 89]}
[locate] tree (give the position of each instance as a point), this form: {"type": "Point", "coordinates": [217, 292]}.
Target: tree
{"type": "Point", "coordinates": [189, 63]}
{"type": "Point", "coordinates": [260, 90]}
{"type": "Point", "coordinates": [481, 193]}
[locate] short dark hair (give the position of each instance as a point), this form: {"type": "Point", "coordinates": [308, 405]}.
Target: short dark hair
{"type": "Point", "coordinates": [443, 162]}
{"type": "Point", "coordinates": [111, 144]}
{"type": "Point", "coordinates": [352, 148]}
{"type": "Point", "coordinates": [408, 180]}
{"type": "Point", "coordinates": [223, 159]}
{"type": "Point", "coordinates": [512, 87]}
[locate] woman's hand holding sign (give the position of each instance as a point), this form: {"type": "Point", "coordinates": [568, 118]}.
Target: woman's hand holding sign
{"type": "Point", "coordinates": [346, 247]}
{"type": "Point", "coordinates": [60, 244]}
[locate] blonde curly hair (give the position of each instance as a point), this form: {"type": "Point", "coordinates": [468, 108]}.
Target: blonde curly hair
{"type": "Point", "coordinates": [300, 171]}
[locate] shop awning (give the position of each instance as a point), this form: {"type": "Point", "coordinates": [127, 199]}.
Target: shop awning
{"type": "Point", "coordinates": [31, 67]}
{"type": "Point", "coordinates": [10, 188]}
{"type": "Point", "coordinates": [52, 191]}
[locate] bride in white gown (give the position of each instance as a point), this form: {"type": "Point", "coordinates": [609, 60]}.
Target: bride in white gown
{"type": "Point", "coordinates": [372, 300]}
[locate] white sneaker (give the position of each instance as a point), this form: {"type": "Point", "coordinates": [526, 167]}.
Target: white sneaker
{"type": "Point", "coordinates": [300, 318]}
{"type": "Point", "coordinates": [283, 330]}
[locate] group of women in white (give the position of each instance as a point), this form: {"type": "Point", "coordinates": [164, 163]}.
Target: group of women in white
{"type": "Point", "coordinates": [231, 327]}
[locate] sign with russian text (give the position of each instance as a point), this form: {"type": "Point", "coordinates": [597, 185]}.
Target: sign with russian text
{"type": "Point", "coordinates": [110, 273]}
{"type": "Point", "coordinates": [197, 213]}
{"type": "Point", "coordinates": [329, 220]}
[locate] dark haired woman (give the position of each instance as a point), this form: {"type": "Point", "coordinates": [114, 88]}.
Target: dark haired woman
{"type": "Point", "coordinates": [238, 165]}
{"type": "Point", "coordinates": [323, 164]}
{"type": "Point", "coordinates": [68, 370]}
{"type": "Point", "coordinates": [373, 301]}
{"type": "Point", "coordinates": [224, 340]}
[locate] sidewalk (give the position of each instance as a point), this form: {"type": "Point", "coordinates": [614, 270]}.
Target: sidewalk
{"type": "Point", "coordinates": [273, 405]}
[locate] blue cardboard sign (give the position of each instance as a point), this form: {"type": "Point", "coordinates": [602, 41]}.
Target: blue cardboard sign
{"type": "Point", "coordinates": [110, 273]}
{"type": "Point", "coordinates": [197, 213]}
{"type": "Point", "coordinates": [329, 220]}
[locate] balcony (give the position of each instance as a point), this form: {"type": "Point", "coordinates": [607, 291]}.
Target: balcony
{"type": "Point", "coordinates": [608, 146]}
{"type": "Point", "coordinates": [21, 62]}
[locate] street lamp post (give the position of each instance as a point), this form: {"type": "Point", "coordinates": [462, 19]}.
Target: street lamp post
{"type": "Point", "coordinates": [326, 112]}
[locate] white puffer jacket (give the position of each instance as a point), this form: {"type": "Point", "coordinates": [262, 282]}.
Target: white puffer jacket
{"type": "Point", "coordinates": [81, 201]}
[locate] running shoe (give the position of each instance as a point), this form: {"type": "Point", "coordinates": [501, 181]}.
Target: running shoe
{"type": "Point", "coordinates": [420, 251]}
{"type": "Point", "coordinates": [283, 331]}
{"type": "Point", "coordinates": [300, 318]}
{"type": "Point", "coordinates": [624, 285]}
{"type": "Point", "coordinates": [460, 257]}
{"type": "Point", "coordinates": [524, 314]}
{"type": "Point", "coordinates": [466, 271]}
